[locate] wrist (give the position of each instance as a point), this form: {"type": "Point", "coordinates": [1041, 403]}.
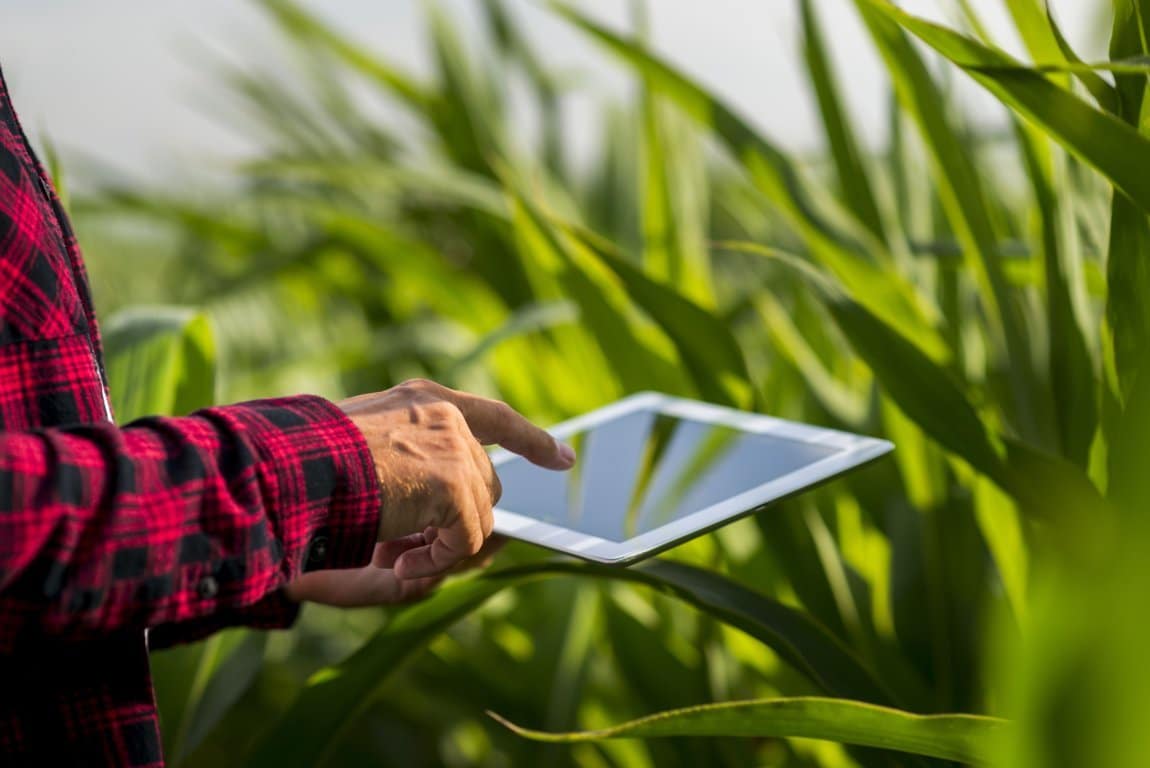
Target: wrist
{"type": "Point", "coordinates": [292, 592]}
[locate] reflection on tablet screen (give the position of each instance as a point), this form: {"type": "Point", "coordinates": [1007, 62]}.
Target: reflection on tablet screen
{"type": "Point", "coordinates": [646, 469]}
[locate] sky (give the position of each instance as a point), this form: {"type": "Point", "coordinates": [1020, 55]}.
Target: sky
{"type": "Point", "coordinates": [130, 82]}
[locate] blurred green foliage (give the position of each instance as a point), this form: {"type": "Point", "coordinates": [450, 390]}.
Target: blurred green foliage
{"type": "Point", "coordinates": [981, 300]}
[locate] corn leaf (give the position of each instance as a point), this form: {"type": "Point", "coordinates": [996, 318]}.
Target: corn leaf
{"type": "Point", "coordinates": [634, 350]}
{"type": "Point", "coordinates": [963, 738]}
{"type": "Point", "coordinates": [674, 203]}
{"type": "Point", "coordinates": [294, 19]}
{"type": "Point", "coordinates": [1071, 368]}
{"type": "Point", "coordinates": [854, 180]}
{"type": "Point", "coordinates": [703, 342]}
{"type": "Point", "coordinates": [1101, 140]}
{"type": "Point", "coordinates": [160, 361]}
{"type": "Point", "coordinates": [1102, 91]}
{"type": "Point", "coordinates": [886, 293]}
{"type": "Point", "coordinates": [334, 696]}
{"type": "Point", "coordinates": [1127, 274]}
{"type": "Point", "coordinates": [922, 389]}
{"type": "Point", "coordinates": [964, 198]}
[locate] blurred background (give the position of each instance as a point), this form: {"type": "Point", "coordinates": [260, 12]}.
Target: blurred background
{"type": "Point", "coordinates": [133, 83]}
{"type": "Point", "coordinates": [826, 210]}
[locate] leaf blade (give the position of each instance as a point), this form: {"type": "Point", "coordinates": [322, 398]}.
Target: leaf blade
{"type": "Point", "coordinates": [962, 738]}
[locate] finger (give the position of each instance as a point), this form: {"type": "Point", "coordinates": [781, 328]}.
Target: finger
{"type": "Point", "coordinates": [487, 472]}
{"type": "Point", "coordinates": [487, 490]}
{"type": "Point", "coordinates": [483, 558]}
{"type": "Point", "coordinates": [492, 421]}
{"type": "Point", "coordinates": [450, 547]}
{"type": "Point", "coordinates": [412, 590]}
{"type": "Point", "coordinates": [484, 508]}
{"type": "Point", "coordinates": [386, 552]}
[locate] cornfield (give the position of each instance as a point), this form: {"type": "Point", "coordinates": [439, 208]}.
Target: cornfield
{"type": "Point", "coordinates": [979, 298]}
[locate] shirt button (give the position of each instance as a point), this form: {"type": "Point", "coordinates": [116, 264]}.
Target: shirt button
{"type": "Point", "coordinates": [317, 552]}
{"type": "Point", "coordinates": [208, 588]}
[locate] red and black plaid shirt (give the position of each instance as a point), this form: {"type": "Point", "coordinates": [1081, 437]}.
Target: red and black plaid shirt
{"type": "Point", "coordinates": [181, 525]}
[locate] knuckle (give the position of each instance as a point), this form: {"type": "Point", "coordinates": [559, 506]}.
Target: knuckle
{"type": "Point", "coordinates": [417, 390]}
{"type": "Point", "coordinates": [404, 388]}
{"type": "Point", "coordinates": [454, 484]}
{"type": "Point", "coordinates": [442, 410]}
{"type": "Point", "coordinates": [459, 444]}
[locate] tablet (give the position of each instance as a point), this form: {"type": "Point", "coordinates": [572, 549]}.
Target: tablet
{"type": "Point", "coordinates": [654, 471]}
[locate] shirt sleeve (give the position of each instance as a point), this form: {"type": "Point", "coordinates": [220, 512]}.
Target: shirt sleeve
{"type": "Point", "coordinates": [170, 522]}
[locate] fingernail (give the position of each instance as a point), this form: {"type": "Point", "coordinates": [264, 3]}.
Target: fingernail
{"type": "Point", "coordinates": [567, 453]}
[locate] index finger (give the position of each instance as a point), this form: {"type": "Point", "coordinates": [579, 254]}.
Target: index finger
{"type": "Point", "coordinates": [492, 421]}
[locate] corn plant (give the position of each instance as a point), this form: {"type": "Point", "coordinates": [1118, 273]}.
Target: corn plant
{"type": "Point", "coordinates": [974, 601]}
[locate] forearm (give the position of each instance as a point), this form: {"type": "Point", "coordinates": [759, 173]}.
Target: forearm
{"type": "Point", "coordinates": [169, 521]}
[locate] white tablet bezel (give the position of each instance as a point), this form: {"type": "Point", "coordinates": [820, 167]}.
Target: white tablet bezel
{"type": "Point", "coordinates": [855, 450]}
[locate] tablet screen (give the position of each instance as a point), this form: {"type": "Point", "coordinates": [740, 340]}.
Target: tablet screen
{"type": "Point", "coordinates": [645, 469]}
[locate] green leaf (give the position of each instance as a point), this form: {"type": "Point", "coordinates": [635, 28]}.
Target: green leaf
{"type": "Point", "coordinates": [845, 403]}
{"type": "Point", "coordinates": [1102, 91]}
{"type": "Point", "coordinates": [1071, 368]}
{"type": "Point", "coordinates": [963, 738]}
{"type": "Point", "coordinates": [885, 291]}
{"type": "Point", "coordinates": [1001, 527]}
{"type": "Point", "coordinates": [704, 342]}
{"type": "Point", "coordinates": [922, 389]}
{"type": "Point", "coordinates": [635, 350]}
{"type": "Point", "coordinates": [927, 393]}
{"type": "Point", "coordinates": [1050, 487]}
{"type": "Point", "coordinates": [798, 639]}
{"type": "Point", "coordinates": [229, 680]}
{"type": "Point", "coordinates": [197, 684]}
{"type": "Point", "coordinates": [674, 202]}
{"type": "Point", "coordinates": [1127, 275]}
{"type": "Point", "coordinates": [657, 669]}
{"type": "Point", "coordinates": [1033, 24]}
{"type": "Point", "coordinates": [1101, 140]}
{"type": "Point", "coordinates": [306, 27]}
{"type": "Point", "coordinates": [701, 339]}
{"type": "Point", "coordinates": [852, 172]}
{"type": "Point", "coordinates": [468, 113]}
{"type": "Point", "coordinates": [160, 360]}
{"type": "Point", "coordinates": [964, 198]}
{"type": "Point", "coordinates": [524, 321]}
{"type": "Point", "coordinates": [335, 695]}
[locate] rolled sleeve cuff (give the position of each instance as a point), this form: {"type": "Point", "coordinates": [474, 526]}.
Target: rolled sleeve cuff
{"type": "Point", "coordinates": [322, 482]}
{"type": "Point", "coordinates": [276, 611]}
{"type": "Point", "coordinates": [323, 502]}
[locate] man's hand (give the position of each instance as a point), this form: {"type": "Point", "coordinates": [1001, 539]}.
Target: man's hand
{"type": "Point", "coordinates": [427, 442]}
{"type": "Point", "coordinates": [377, 584]}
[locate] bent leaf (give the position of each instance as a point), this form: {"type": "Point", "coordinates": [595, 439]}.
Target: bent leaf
{"type": "Point", "coordinates": [705, 344]}
{"type": "Point", "coordinates": [885, 293]}
{"type": "Point", "coordinates": [1111, 146]}
{"type": "Point", "coordinates": [963, 738]}
{"type": "Point", "coordinates": [925, 391]}
{"type": "Point", "coordinates": [336, 695]}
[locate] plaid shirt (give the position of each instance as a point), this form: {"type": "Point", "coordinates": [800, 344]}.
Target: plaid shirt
{"type": "Point", "coordinates": [181, 525]}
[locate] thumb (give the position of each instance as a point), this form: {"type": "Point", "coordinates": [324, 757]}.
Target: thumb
{"type": "Point", "coordinates": [387, 552]}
